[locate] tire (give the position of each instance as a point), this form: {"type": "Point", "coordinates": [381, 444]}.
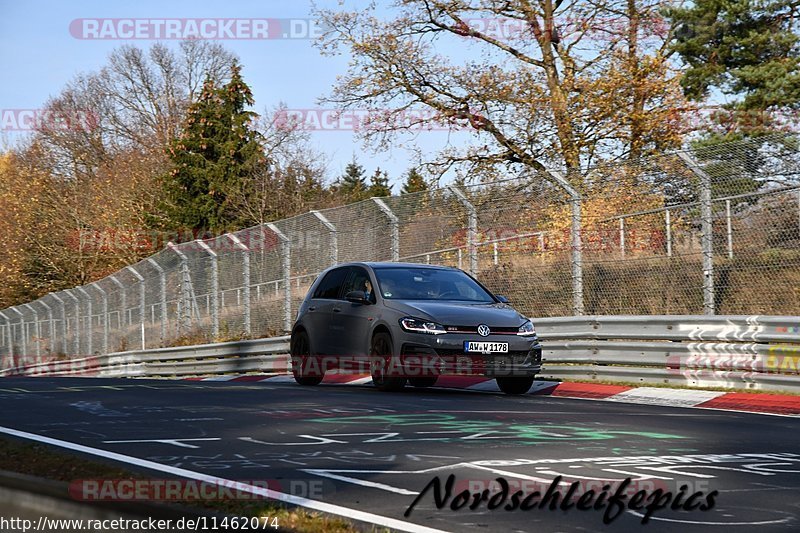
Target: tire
{"type": "Point", "coordinates": [423, 382]}
{"type": "Point", "coordinates": [301, 354]}
{"type": "Point", "coordinates": [380, 359]}
{"type": "Point", "coordinates": [515, 385]}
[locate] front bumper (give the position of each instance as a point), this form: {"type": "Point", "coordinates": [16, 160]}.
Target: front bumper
{"type": "Point", "coordinates": [427, 355]}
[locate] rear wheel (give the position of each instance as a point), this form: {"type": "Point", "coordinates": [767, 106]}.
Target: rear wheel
{"type": "Point", "coordinates": [423, 382]}
{"type": "Point", "coordinates": [515, 385]}
{"type": "Point", "coordinates": [302, 362]}
{"type": "Point", "coordinates": [381, 366]}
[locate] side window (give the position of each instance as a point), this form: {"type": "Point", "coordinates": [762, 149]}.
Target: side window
{"type": "Point", "coordinates": [359, 281]}
{"type": "Point", "coordinates": [331, 284]}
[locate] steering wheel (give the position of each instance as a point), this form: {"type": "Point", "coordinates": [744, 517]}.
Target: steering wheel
{"type": "Point", "coordinates": [451, 293]}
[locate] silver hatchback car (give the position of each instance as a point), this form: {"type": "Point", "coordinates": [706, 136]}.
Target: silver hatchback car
{"type": "Point", "coordinates": [406, 322]}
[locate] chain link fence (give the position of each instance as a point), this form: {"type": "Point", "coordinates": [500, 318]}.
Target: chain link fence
{"type": "Point", "coordinates": [713, 230]}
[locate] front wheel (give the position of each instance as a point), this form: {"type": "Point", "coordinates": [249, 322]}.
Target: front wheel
{"type": "Point", "coordinates": [515, 385]}
{"type": "Point", "coordinates": [381, 364]}
{"type": "Point", "coordinates": [302, 361]}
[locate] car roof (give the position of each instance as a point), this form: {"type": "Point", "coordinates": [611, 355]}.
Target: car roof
{"type": "Point", "coordinates": [390, 264]}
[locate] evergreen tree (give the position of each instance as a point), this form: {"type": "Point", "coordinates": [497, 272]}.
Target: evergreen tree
{"type": "Point", "coordinates": [352, 185]}
{"type": "Point", "coordinates": [414, 182]}
{"type": "Point", "coordinates": [748, 51]}
{"type": "Point", "coordinates": [216, 151]}
{"type": "Point", "coordinates": [379, 184]}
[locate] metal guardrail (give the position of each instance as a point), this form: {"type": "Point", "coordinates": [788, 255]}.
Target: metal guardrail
{"type": "Point", "coordinates": [745, 352]}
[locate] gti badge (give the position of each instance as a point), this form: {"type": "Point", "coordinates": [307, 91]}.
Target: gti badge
{"type": "Point", "coordinates": [483, 330]}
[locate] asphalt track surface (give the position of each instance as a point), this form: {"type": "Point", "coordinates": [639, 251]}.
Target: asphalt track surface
{"type": "Point", "coordinates": [362, 449]}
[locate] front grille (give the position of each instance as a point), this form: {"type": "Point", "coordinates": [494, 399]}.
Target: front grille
{"type": "Point", "coordinates": [474, 330]}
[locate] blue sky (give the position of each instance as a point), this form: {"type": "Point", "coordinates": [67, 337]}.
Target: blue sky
{"type": "Point", "coordinates": [38, 55]}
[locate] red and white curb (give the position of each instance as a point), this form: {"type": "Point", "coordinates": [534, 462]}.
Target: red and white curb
{"type": "Point", "coordinates": [776, 404]}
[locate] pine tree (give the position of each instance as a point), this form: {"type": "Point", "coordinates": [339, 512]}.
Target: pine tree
{"type": "Point", "coordinates": [379, 184]}
{"type": "Point", "coordinates": [216, 151]}
{"type": "Point", "coordinates": [352, 185]}
{"type": "Point", "coordinates": [748, 51]}
{"type": "Point", "coordinates": [414, 182]}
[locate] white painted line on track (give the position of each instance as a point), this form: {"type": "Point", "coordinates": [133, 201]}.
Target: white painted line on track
{"type": "Point", "coordinates": [668, 397]}
{"type": "Point", "coordinates": [323, 507]}
{"type": "Point", "coordinates": [701, 523]}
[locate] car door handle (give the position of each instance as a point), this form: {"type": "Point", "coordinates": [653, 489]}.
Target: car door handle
{"type": "Point", "coordinates": [337, 309]}
{"type": "Point", "coordinates": [312, 308]}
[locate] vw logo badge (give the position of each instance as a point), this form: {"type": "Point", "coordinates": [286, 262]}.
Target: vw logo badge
{"type": "Point", "coordinates": [483, 330]}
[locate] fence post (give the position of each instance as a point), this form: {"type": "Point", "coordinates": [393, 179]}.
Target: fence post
{"type": "Point", "coordinates": [104, 294]}
{"type": "Point", "coordinates": [576, 243]}
{"type": "Point", "coordinates": [286, 262]}
{"type": "Point", "coordinates": [123, 318]}
{"type": "Point", "coordinates": [729, 228]}
{"type": "Point", "coordinates": [622, 236]}
{"type": "Point", "coordinates": [395, 222]}
{"type": "Point", "coordinates": [77, 321]}
{"type": "Point", "coordinates": [185, 315]}
{"type": "Point", "coordinates": [37, 331]}
{"type": "Point", "coordinates": [668, 223]}
{"type": "Point", "coordinates": [9, 338]}
{"type": "Point", "coordinates": [57, 298]}
{"type": "Point", "coordinates": [142, 304]}
{"type": "Point", "coordinates": [472, 229]}
{"type": "Point", "coordinates": [334, 238]}
{"type": "Point", "coordinates": [51, 334]}
{"type": "Point", "coordinates": [90, 325]}
{"type": "Point", "coordinates": [706, 237]}
{"type": "Point", "coordinates": [21, 330]}
{"type": "Point", "coordinates": [214, 287]}
{"type": "Point", "coordinates": [248, 328]}
{"type": "Point", "coordinates": [162, 282]}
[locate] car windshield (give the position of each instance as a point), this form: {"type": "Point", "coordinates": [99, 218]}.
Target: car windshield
{"type": "Point", "coordinates": [399, 283]}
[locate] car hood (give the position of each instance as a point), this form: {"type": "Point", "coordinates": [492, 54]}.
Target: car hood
{"type": "Point", "coordinates": [459, 313]}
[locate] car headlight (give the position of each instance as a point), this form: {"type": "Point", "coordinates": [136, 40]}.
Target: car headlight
{"type": "Point", "coordinates": [526, 329]}
{"type": "Point", "coordinates": [421, 326]}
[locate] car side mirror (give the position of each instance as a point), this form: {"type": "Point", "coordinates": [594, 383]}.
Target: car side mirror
{"type": "Point", "coordinates": [503, 299]}
{"type": "Point", "coordinates": [357, 297]}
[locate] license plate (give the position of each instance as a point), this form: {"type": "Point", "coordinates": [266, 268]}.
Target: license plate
{"type": "Point", "coordinates": [485, 347]}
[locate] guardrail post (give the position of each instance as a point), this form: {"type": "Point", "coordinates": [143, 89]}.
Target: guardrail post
{"type": "Point", "coordinates": [162, 282]}
{"type": "Point", "coordinates": [286, 262]}
{"type": "Point", "coordinates": [185, 314]}
{"type": "Point", "coordinates": [123, 319]}
{"type": "Point", "coordinates": [51, 334]}
{"type": "Point", "coordinates": [37, 331]}
{"type": "Point", "coordinates": [576, 241]}
{"type": "Point", "coordinates": [395, 222]}
{"type": "Point", "coordinates": [77, 321]}
{"type": "Point", "coordinates": [142, 304]}
{"type": "Point", "coordinates": [472, 229]}
{"type": "Point", "coordinates": [90, 325]}
{"type": "Point", "coordinates": [9, 338]}
{"type": "Point", "coordinates": [334, 254]}
{"type": "Point", "coordinates": [64, 347]}
{"type": "Point", "coordinates": [104, 294]}
{"type": "Point", "coordinates": [245, 279]}
{"type": "Point", "coordinates": [214, 287]}
{"type": "Point", "coordinates": [21, 330]}
{"type": "Point", "coordinates": [706, 237]}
